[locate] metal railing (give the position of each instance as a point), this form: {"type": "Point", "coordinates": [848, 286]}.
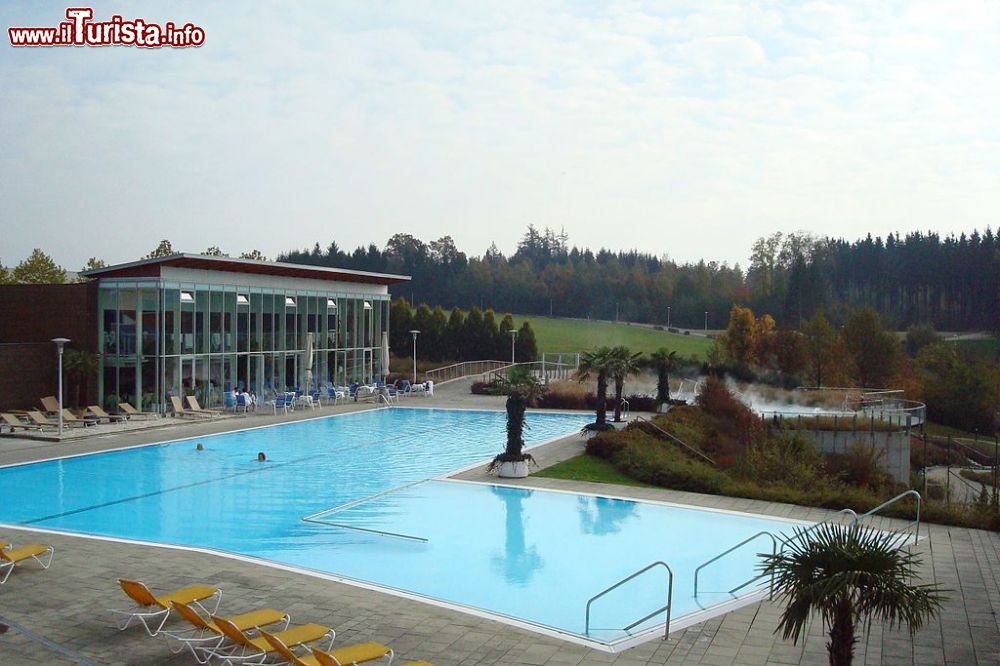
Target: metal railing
{"type": "Point", "coordinates": [544, 372]}
{"type": "Point", "coordinates": [900, 496]}
{"type": "Point", "coordinates": [774, 551]}
{"type": "Point", "coordinates": [676, 439]}
{"type": "Point", "coordinates": [455, 371]}
{"type": "Point", "coordinates": [670, 596]}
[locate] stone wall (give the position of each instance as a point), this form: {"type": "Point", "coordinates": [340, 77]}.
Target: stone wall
{"type": "Point", "coordinates": [893, 447]}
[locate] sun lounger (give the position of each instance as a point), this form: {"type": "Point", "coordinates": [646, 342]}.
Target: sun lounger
{"type": "Point", "coordinates": [131, 412]}
{"type": "Point", "coordinates": [11, 557]}
{"type": "Point", "coordinates": [179, 409]}
{"type": "Point", "coordinates": [101, 414]}
{"type": "Point", "coordinates": [50, 404]}
{"type": "Point", "coordinates": [151, 609]}
{"type": "Point", "coordinates": [196, 408]}
{"type": "Point", "coordinates": [69, 418]}
{"type": "Point", "coordinates": [204, 636]}
{"type": "Point", "coordinates": [245, 648]}
{"type": "Point", "coordinates": [39, 419]}
{"type": "Point", "coordinates": [350, 654]}
{"type": "Point", "coordinates": [14, 422]}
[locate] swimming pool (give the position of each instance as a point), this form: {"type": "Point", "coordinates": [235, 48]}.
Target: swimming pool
{"type": "Point", "coordinates": [354, 496]}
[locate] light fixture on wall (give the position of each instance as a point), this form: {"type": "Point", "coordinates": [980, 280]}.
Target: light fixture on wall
{"type": "Point", "coordinates": [289, 302]}
{"type": "Point", "coordinates": [368, 306]}
{"type": "Point", "coordinates": [331, 304]}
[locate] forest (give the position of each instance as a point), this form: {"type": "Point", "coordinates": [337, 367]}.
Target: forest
{"type": "Point", "coordinates": [951, 282]}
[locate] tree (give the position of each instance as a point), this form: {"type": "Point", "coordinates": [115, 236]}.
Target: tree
{"type": "Point", "coordinates": [820, 342]}
{"type": "Point", "coordinates": [625, 365]}
{"type": "Point", "coordinates": [5, 275]}
{"type": "Point", "coordinates": [214, 251]}
{"type": "Point", "coordinates": [522, 390]}
{"type": "Point", "coordinates": [80, 367]}
{"type": "Point", "coordinates": [257, 255]}
{"type": "Point", "coordinates": [599, 363]}
{"type": "Point", "coordinates": [874, 350]}
{"type": "Point", "coordinates": [93, 264]}
{"type": "Point", "coordinates": [38, 268]}
{"type": "Point", "coordinates": [849, 575]}
{"type": "Point", "coordinates": [740, 338]}
{"type": "Point", "coordinates": [663, 361]}
{"type": "Point", "coordinates": [400, 324]}
{"type": "Point", "coordinates": [525, 345]}
{"type": "Point", "coordinates": [919, 336]}
{"type": "Point", "coordinates": [164, 249]}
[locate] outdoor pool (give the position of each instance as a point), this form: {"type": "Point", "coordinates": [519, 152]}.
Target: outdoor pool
{"type": "Point", "coordinates": [357, 496]}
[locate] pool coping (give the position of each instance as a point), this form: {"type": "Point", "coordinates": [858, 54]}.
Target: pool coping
{"type": "Point", "coordinates": [613, 647]}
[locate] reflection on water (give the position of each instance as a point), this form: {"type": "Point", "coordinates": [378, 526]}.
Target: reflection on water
{"type": "Point", "coordinates": [519, 561]}
{"type": "Point", "coordinates": [602, 515]}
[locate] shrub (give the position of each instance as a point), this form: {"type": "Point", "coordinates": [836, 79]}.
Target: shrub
{"type": "Point", "coordinates": [486, 388]}
{"type": "Point", "coordinates": [788, 460]}
{"type": "Point", "coordinates": [604, 445]}
{"type": "Point", "coordinates": [860, 467]}
{"type": "Point", "coordinates": [736, 417]}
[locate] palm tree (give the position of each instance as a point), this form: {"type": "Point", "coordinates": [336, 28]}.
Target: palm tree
{"type": "Point", "coordinates": [849, 575]}
{"type": "Point", "coordinates": [522, 389]}
{"type": "Point", "coordinates": [662, 361]}
{"type": "Point", "coordinates": [626, 364]}
{"type": "Point", "coordinates": [80, 366]}
{"type": "Point", "coordinates": [598, 362]}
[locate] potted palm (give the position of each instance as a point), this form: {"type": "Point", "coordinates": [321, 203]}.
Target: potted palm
{"type": "Point", "coordinates": [851, 576]}
{"type": "Point", "coordinates": [625, 365]}
{"type": "Point", "coordinates": [662, 361]}
{"type": "Point", "coordinates": [522, 390]}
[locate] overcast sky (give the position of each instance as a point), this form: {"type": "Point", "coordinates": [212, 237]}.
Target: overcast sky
{"type": "Point", "coordinates": [685, 130]}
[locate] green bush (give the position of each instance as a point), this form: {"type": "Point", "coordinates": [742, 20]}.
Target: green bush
{"type": "Point", "coordinates": [860, 467]}
{"type": "Point", "coordinates": [789, 460]}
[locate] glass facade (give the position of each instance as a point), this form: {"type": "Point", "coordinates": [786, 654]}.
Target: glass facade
{"type": "Point", "coordinates": [160, 339]}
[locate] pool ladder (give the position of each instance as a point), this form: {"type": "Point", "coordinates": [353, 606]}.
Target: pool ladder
{"type": "Point", "coordinates": [670, 595]}
{"type": "Point", "coordinates": [775, 540]}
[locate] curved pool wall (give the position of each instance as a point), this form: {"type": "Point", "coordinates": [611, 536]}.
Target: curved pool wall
{"type": "Point", "coordinates": [525, 556]}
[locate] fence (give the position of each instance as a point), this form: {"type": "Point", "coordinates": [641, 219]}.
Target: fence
{"type": "Point", "coordinates": [465, 369]}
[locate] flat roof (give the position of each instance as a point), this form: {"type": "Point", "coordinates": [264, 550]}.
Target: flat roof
{"type": "Point", "coordinates": [151, 268]}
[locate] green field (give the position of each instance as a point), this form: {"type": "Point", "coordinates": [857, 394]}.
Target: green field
{"type": "Point", "coordinates": [984, 349]}
{"type": "Point", "coordinates": [576, 335]}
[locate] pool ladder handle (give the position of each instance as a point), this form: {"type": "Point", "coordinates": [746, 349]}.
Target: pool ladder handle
{"type": "Point", "coordinates": [855, 518]}
{"type": "Point", "coordinates": [670, 595]}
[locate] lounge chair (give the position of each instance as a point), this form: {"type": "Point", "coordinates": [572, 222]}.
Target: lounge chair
{"type": "Point", "coordinates": [246, 648]}
{"type": "Point", "coordinates": [284, 402]}
{"type": "Point", "coordinates": [179, 409]}
{"type": "Point", "coordinates": [131, 412]}
{"type": "Point", "coordinates": [69, 418]}
{"type": "Point", "coordinates": [50, 404]}
{"type": "Point", "coordinates": [358, 653]}
{"type": "Point", "coordinates": [207, 635]}
{"type": "Point", "coordinates": [14, 422]}
{"type": "Point", "coordinates": [151, 608]}
{"type": "Point", "coordinates": [103, 415]}
{"type": "Point", "coordinates": [39, 419]}
{"type": "Point", "coordinates": [196, 408]}
{"type": "Point", "coordinates": [11, 557]}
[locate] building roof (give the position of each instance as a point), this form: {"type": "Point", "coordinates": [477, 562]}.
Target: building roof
{"type": "Point", "coordinates": [151, 268]}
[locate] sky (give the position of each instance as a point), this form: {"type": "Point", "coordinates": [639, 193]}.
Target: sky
{"type": "Point", "coordinates": [681, 129]}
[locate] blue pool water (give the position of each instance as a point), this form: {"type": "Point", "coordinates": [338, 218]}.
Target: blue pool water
{"type": "Point", "coordinates": [362, 478]}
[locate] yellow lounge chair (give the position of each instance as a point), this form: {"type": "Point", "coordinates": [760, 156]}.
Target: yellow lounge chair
{"type": "Point", "coordinates": [69, 418]}
{"type": "Point", "coordinates": [15, 423]}
{"type": "Point", "coordinates": [152, 608]}
{"type": "Point", "coordinates": [39, 419]}
{"type": "Point", "coordinates": [50, 404]}
{"type": "Point", "coordinates": [10, 557]}
{"type": "Point", "coordinates": [259, 648]}
{"type": "Point", "coordinates": [103, 415]}
{"type": "Point", "coordinates": [179, 409]}
{"type": "Point", "coordinates": [196, 408]}
{"type": "Point", "coordinates": [208, 637]}
{"type": "Point", "coordinates": [358, 653]}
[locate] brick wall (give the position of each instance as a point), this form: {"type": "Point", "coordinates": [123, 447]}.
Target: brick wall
{"type": "Point", "coordinates": [30, 316]}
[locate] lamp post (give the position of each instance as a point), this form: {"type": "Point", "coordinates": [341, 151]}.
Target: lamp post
{"type": "Point", "coordinates": [668, 316]}
{"type": "Point", "coordinates": [513, 334]}
{"type": "Point", "coordinates": [706, 322]}
{"type": "Point", "coordinates": [60, 343]}
{"type": "Point", "coordinates": [414, 333]}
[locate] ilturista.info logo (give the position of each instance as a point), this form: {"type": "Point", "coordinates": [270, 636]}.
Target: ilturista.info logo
{"type": "Point", "coordinates": [81, 30]}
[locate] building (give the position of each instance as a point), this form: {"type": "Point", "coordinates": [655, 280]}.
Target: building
{"type": "Point", "coordinates": [195, 324]}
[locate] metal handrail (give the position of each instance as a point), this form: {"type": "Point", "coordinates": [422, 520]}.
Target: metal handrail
{"type": "Point", "coordinates": [670, 596]}
{"type": "Point", "coordinates": [455, 371]}
{"type": "Point", "coordinates": [851, 512]}
{"type": "Point", "coordinates": [675, 439]}
{"type": "Point", "coordinates": [916, 534]}
{"type": "Point", "coordinates": [774, 551]}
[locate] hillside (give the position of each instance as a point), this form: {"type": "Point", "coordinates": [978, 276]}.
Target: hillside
{"type": "Point", "coordinates": [574, 335]}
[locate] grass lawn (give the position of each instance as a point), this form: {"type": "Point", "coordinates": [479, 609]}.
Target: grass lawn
{"type": "Point", "coordinates": [576, 335]}
{"type": "Point", "coordinates": [985, 349]}
{"type": "Point", "coordinates": [589, 468]}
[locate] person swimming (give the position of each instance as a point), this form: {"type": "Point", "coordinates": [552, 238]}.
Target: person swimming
{"type": "Point", "coordinates": [200, 447]}
{"type": "Point", "coordinates": [261, 457]}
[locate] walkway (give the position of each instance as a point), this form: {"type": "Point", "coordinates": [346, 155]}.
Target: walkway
{"type": "Point", "coordinates": [67, 604]}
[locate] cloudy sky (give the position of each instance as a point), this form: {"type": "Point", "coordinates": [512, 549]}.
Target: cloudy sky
{"type": "Point", "coordinates": [680, 129]}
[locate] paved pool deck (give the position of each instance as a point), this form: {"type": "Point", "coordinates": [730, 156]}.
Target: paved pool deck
{"type": "Point", "coordinates": [65, 608]}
